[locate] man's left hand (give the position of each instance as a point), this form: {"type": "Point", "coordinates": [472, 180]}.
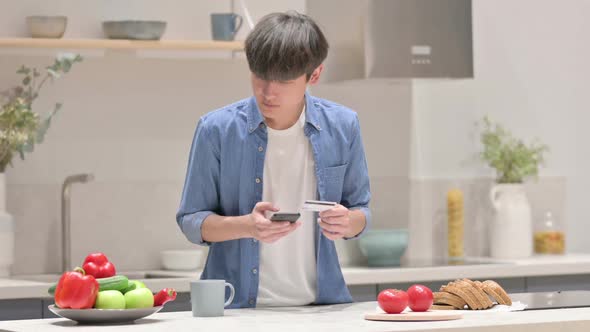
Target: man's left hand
{"type": "Point", "coordinates": [336, 222]}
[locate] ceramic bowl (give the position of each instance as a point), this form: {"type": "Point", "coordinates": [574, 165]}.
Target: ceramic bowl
{"type": "Point", "coordinates": [47, 26]}
{"type": "Point", "coordinates": [384, 247]}
{"type": "Point", "coordinates": [184, 260]}
{"type": "Point", "coordinates": [137, 30]}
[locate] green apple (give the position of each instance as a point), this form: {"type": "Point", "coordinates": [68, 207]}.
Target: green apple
{"type": "Point", "coordinates": [110, 299]}
{"type": "Point", "coordinates": [138, 284]}
{"type": "Point", "coordinates": [139, 298]}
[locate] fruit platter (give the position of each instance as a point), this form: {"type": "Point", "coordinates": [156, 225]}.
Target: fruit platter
{"type": "Point", "coordinates": [95, 294]}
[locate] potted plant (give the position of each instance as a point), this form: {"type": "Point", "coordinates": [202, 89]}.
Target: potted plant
{"type": "Point", "coordinates": [20, 129]}
{"type": "Point", "coordinates": [514, 162]}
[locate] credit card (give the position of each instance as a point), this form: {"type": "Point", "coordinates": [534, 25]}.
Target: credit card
{"type": "Point", "coordinates": [318, 206]}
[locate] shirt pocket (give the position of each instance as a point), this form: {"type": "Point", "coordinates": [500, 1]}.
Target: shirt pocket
{"type": "Point", "coordinates": [333, 179]}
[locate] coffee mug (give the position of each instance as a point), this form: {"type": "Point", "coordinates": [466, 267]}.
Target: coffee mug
{"type": "Point", "coordinates": [224, 26]}
{"type": "Point", "coordinates": [208, 296]}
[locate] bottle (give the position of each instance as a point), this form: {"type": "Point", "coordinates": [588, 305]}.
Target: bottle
{"type": "Point", "coordinates": [455, 224]}
{"type": "Point", "coordinates": [549, 238]}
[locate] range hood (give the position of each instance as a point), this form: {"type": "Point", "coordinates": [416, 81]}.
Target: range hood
{"type": "Point", "coordinates": [396, 38]}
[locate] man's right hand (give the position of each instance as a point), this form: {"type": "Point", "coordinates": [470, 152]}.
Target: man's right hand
{"type": "Point", "coordinates": [262, 229]}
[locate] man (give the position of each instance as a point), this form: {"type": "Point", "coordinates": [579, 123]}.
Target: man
{"type": "Point", "coordinates": [270, 153]}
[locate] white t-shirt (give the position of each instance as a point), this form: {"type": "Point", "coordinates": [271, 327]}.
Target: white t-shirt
{"type": "Point", "coordinates": [288, 266]}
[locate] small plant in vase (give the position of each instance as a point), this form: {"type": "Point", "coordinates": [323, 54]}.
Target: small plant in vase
{"type": "Point", "coordinates": [514, 161]}
{"type": "Point", "coordinates": [20, 129]}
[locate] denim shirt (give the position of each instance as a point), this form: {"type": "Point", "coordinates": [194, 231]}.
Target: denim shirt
{"type": "Point", "coordinates": [224, 177]}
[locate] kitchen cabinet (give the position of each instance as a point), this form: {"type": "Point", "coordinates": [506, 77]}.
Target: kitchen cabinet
{"type": "Point", "coordinates": [45, 311]}
{"type": "Point", "coordinates": [37, 308]}
{"type": "Point", "coordinates": [558, 283]}
{"type": "Point", "coordinates": [362, 293]}
{"type": "Point", "coordinates": [342, 318]}
{"type": "Point", "coordinates": [182, 303]}
{"type": "Point", "coordinates": [20, 309]}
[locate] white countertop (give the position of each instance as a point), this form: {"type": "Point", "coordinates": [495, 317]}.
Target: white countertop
{"type": "Point", "coordinates": [535, 266]}
{"type": "Point", "coordinates": [341, 318]}
{"type": "Point", "coordinates": [547, 265]}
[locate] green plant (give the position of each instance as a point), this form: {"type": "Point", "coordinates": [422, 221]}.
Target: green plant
{"type": "Point", "coordinates": [20, 127]}
{"type": "Point", "coordinates": [512, 159]}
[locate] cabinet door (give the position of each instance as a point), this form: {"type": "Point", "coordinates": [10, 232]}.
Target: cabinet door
{"type": "Point", "coordinates": [182, 303]}
{"type": "Point", "coordinates": [46, 313]}
{"type": "Point", "coordinates": [558, 283]}
{"type": "Point", "coordinates": [363, 293]}
{"type": "Point", "coordinates": [20, 309]}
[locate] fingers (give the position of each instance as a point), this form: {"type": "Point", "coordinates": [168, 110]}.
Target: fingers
{"type": "Point", "coordinates": [332, 236]}
{"type": "Point", "coordinates": [332, 228]}
{"type": "Point", "coordinates": [275, 236]}
{"type": "Point", "coordinates": [267, 225]}
{"type": "Point", "coordinates": [336, 220]}
{"type": "Point", "coordinates": [337, 211]}
{"type": "Point", "coordinates": [265, 206]}
{"type": "Point", "coordinates": [272, 227]}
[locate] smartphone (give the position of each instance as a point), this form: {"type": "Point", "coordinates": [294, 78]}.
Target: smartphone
{"type": "Point", "coordinates": [290, 217]}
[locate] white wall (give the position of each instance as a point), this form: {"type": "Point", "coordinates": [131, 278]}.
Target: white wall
{"type": "Point", "coordinates": [130, 120]}
{"type": "Point", "coordinates": [531, 74]}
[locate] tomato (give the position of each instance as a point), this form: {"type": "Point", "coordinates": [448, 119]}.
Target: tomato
{"type": "Point", "coordinates": [393, 301]}
{"type": "Point", "coordinates": [420, 298]}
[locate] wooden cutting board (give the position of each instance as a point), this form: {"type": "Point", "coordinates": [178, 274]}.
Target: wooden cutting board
{"type": "Point", "coordinates": [415, 316]}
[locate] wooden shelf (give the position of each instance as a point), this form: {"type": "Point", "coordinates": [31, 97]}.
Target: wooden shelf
{"type": "Point", "coordinates": [118, 44]}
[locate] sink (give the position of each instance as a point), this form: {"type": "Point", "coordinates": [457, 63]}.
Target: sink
{"type": "Point", "coordinates": [52, 278]}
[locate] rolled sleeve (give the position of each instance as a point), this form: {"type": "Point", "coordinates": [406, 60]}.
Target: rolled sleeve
{"type": "Point", "coordinates": [191, 227]}
{"type": "Point", "coordinates": [356, 190]}
{"type": "Point", "coordinates": [200, 192]}
{"type": "Point", "coordinates": [367, 214]}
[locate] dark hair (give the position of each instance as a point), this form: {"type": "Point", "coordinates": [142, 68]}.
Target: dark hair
{"type": "Point", "coordinates": [284, 46]}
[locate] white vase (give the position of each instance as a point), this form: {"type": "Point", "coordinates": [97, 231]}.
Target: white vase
{"type": "Point", "coordinates": [6, 232]}
{"type": "Point", "coordinates": [511, 231]}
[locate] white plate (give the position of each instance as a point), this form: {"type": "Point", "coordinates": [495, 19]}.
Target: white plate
{"type": "Point", "coordinates": [101, 316]}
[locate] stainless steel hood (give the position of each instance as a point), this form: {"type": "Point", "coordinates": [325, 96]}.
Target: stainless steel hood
{"type": "Point", "coordinates": [396, 38]}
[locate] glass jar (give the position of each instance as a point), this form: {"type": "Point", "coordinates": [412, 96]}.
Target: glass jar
{"type": "Point", "coordinates": [549, 237]}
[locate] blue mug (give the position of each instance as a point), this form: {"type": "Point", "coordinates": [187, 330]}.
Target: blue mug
{"type": "Point", "coordinates": [224, 26]}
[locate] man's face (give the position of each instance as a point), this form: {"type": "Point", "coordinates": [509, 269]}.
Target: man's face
{"type": "Point", "coordinates": [281, 100]}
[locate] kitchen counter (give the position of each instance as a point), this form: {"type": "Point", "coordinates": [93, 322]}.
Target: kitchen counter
{"type": "Point", "coordinates": [547, 265]}
{"type": "Point", "coordinates": [571, 264]}
{"type": "Point", "coordinates": [341, 318]}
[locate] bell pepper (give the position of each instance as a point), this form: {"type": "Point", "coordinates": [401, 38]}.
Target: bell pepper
{"type": "Point", "coordinates": [98, 266]}
{"type": "Point", "coordinates": [163, 296]}
{"type": "Point", "coordinates": [76, 290]}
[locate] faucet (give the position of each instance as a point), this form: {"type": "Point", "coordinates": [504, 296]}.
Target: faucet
{"type": "Point", "coordinates": [65, 217]}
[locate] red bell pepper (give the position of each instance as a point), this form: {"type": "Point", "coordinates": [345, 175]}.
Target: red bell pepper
{"type": "Point", "coordinates": [76, 290]}
{"type": "Point", "coordinates": [163, 296]}
{"type": "Point", "coordinates": [98, 266]}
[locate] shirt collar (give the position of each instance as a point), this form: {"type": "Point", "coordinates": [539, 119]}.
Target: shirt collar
{"type": "Point", "coordinates": [256, 120]}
